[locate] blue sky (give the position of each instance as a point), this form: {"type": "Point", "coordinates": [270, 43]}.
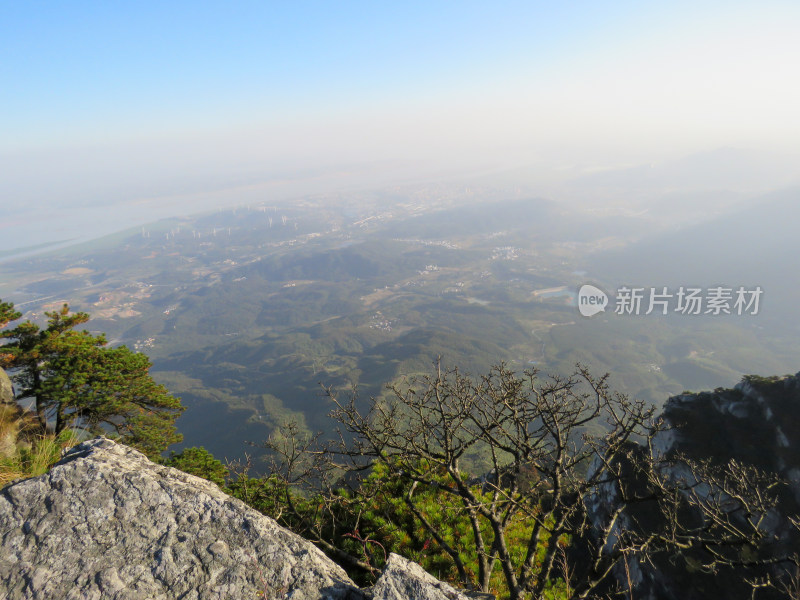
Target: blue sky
{"type": "Point", "coordinates": [78, 71]}
{"type": "Point", "coordinates": [106, 102]}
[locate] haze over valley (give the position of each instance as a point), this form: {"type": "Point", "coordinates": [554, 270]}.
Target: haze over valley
{"type": "Point", "coordinates": [246, 311]}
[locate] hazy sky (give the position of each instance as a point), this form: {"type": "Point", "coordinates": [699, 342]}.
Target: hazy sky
{"type": "Point", "coordinates": [103, 102]}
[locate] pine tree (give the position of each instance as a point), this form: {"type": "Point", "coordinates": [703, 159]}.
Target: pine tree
{"type": "Point", "coordinates": [75, 380]}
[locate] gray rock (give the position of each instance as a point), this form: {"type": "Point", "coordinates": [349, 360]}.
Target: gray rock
{"type": "Point", "coordinates": [6, 390]}
{"type": "Point", "coordinates": [107, 523]}
{"type": "Point", "coordinates": [404, 580]}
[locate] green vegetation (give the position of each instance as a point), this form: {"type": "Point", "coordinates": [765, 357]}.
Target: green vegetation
{"type": "Point", "coordinates": [75, 381]}
{"type": "Point", "coordinates": [487, 482]}
{"type": "Point", "coordinates": [360, 526]}
{"type": "Point", "coordinates": [244, 312]}
{"type": "Point", "coordinates": [526, 488]}
{"type": "Point", "coordinates": [200, 462]}
{"type": "Point", "coordinates": [25, 451]}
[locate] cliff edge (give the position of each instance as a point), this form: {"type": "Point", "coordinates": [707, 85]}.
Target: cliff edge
{"type": "Point", "coordinates": [105, 522]}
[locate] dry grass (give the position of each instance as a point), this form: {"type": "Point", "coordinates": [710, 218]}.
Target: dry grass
{"type": "Point", "coordinates": [24, 454]}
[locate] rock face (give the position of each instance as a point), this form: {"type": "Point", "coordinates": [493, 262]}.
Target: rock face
{"type": "Point", "coordinates": [404, 580]}
{"type": "Point", "coordinates": [756, 423]}
{"type": "Point", "coordinates": [6, 390]}
{"type": "Point", "coordinates": [107, 523]}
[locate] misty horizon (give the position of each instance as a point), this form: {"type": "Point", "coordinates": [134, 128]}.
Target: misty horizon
{"type": "Point", "coordinates": [130, 116]}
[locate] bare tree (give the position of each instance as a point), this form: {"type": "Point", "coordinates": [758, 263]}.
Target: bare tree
{"type": "Point", "coordinates": [297, 467]}
{"type": "Point", "coordinates": [568, 464]}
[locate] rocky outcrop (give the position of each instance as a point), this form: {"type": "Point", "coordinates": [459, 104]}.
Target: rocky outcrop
{"type": "Point", "coordinates": [403, 579]}
{"type": "Point", "coordinates": [12, 418]}
{"type": "Point", "coordinates": [6, 390]}
{"type": "Point", "coordinates": [105, 522]}
{"type": "Point", "coordinates": [755, 423]}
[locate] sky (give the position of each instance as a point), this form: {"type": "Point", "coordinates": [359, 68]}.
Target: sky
{"type": "Point", "coordinates": [106, 103]}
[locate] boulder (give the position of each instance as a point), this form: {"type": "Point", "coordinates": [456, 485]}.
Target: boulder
{"type": "Point", "coordinates": [6, 390]}
{"type": "Point", "coordinates": [403, 580]}
{"type": "Point", "coordinates": [105, 522]}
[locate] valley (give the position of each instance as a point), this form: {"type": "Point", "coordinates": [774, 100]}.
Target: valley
{"type": "Point", "coordinates": [248, 312]}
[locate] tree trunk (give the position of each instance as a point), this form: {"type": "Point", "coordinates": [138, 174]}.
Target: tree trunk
{"type": "Point", "coordinates": [40, 412]}
{"type": "Point", "coordinates": [60, 424]}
